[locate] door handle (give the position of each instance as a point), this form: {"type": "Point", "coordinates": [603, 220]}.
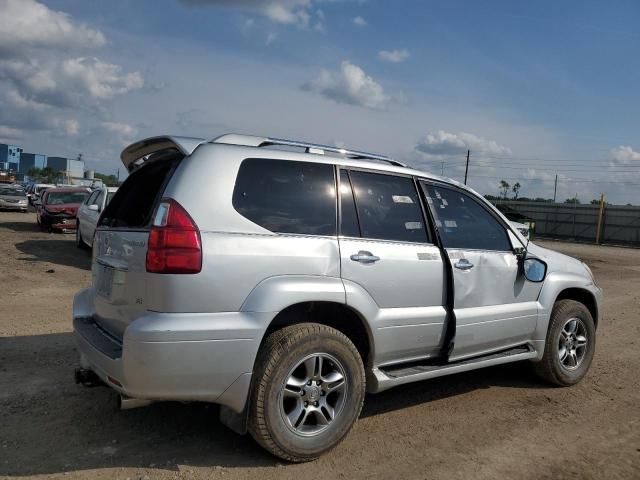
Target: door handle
{"type": "Point", "coordinates": [463, 264]}
{"type": "Point", "coordinates": [364, 257]}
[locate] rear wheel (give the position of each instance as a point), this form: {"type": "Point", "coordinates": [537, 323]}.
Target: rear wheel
{"type": "Point", "coordinates": [309, 388]}
{"type": "Point", "coordinates": [570, 344]}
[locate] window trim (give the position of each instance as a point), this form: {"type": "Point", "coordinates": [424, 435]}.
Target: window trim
{"type": "Point", "coordinates": [422, 180]}
{"type": "Point", "coordinates": [427, 227]}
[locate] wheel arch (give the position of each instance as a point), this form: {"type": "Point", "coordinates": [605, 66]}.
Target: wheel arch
{"type": "Point", "coordinates": [582, 296]}
{"type": "Point", "coordinates": [340, 316]}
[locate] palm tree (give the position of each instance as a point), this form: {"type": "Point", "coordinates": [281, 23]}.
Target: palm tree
{"type": "Point", "coordinates": [504, 186]}
{"type": "Point", "coordinates": [516, 189]}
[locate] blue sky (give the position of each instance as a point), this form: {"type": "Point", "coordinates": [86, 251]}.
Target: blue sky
{"type": "Point", "coordinates": [531, 88]}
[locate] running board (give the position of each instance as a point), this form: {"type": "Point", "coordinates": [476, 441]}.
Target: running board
{"type": "Point", "coordinates": [385, 378]}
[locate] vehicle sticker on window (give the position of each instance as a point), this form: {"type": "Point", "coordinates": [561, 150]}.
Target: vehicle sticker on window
{"type": "Point", "coordinates": [450, 223]}
{"type": "Point", "coordinates": [428, 256]}
{"type": "Point", "coordinates": [444, 201]}
{"type": "Point", "coordinates": [401, 199]}
{"type": "Point", "coordinates": [413, 225]}
{"type": "Point", "coordinates": [429, 200]}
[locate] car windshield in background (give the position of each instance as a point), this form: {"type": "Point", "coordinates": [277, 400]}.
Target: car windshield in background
{"type": "Point", "coordinates": [14, 192]}
{"type": "Point", "coordinates": [60, 198]}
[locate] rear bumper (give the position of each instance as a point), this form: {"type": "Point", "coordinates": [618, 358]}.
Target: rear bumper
{"type": "Point", "coordinates": [185, 357]}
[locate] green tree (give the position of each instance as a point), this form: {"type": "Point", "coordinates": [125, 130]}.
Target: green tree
{"type": "Point", "coordinates": [516, 189]}
{"type": "Point", "coordinates": [573, 200]}
{"type": "Point", "coordinates": [504, 187]}
{"type": "Point", "coordinates": [43, 175]}
{"type": "Point", "coordinates": [108, 180]}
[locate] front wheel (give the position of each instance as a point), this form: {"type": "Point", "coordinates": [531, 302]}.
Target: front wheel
{"type": "Point", "coordinates": [80, 243]}
{"type": "Point", "coordinates": [569, 346]}
{"type": "Point", "coordinates": [308, 391]}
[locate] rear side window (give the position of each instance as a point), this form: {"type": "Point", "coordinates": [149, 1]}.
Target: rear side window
{"type": "Point", "coordinates": [388, 207]}
{"type": "Point", "coordinates": [287, 196]}
{"type": "Point", "coordinates": [463, 222]}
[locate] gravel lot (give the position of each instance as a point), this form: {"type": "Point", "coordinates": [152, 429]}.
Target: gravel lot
{"type": "Point", "coordinates": [495, 423]}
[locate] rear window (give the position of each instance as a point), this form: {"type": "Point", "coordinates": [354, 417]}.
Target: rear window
{"type": "Point", "coordinates": [287, 196]}
{"type": "Point", "coordinates": [132, 205]}
{"type": "Point", "coordinates": [60, 198]}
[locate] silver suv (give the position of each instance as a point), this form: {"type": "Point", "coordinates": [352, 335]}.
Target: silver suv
{"type": "Point", "coordinates": [283, 280]}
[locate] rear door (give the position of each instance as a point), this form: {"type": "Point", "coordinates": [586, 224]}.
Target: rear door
{"type": "Point", "coordinates": [391, 269]}
{"type": "Point", "coordinates": [495, 307]}
{"type": "Point", "coordinates": [120, 245]}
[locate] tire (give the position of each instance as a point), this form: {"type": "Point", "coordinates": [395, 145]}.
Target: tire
{"type": "Point", "coordinates": [568, 316]}
{"type": "Point", "coordinates": [80, 243]}
{"type": "Point", "coordinates": [285, 359]}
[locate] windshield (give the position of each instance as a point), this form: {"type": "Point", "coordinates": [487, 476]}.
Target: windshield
{"type": "Point", "coordinates": [14, 192]}
{"type": "Point", "coordinates": [59, 198]}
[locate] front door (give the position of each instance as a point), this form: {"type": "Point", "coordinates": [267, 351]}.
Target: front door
{"type": "Point", "coordinates": [494, 306]}
{"type": "Point", "coordinates": [392, 272]}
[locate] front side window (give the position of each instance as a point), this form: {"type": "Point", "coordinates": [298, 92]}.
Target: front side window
{"type": "Point", "coordinates": [287, 196]}
{"type": "Point", "coordinates": [388, 207]}
{"type": "Point", "coordinates": [463, 223]}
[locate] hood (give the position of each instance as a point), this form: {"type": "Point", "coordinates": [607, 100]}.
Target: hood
{"type": "Point", "coordinates": [68, 208]}
{"type": "Point", "coordinates": [12, 197]}
{"type": "Point", "coordinates": [557, 261]}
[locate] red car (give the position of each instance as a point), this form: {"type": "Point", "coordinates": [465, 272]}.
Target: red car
{"type": "Point", "coordinates": [58, 207]}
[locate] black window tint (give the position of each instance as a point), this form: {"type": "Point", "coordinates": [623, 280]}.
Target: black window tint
{"type": "Point", "coordinates": [388, 207]}
{"type": "Point", "coordinates": [349, 217]}
{"type": "Point", "coordinates": [463, 222]}
{"type": "Point", "coordinates": [286, 196]}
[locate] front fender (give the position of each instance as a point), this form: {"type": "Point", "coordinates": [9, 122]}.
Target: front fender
{"type": "Point", "coordinates": [554, 284]}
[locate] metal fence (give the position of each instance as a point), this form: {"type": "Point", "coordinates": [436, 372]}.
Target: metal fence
{"type": "Point", "coordinates": [620, 224]}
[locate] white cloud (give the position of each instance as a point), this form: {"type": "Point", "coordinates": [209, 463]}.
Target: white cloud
{"type": "Point", "coordinates": [9, 133]}
{"type": "Point", "coordinates": [394, 56]}
{"type": "Point", "coordinates": [624, 156]}
{"type": "Point", "coordinates": [350, 85]}
{"type": "Point", "coordinates": [102, 80]}
{"type": "Point", "coordinates": [443, 143]}
{"type": "Point", "coordinates": [359, 21]}
{"type": "Point", "coordinates": [71, 127]}
{"type": "Point", "coordinates": [27, 23]}
{"type": "Point", "coordinates": [123, 129]}
{"type": "Point", "coordinates": [288, 12]}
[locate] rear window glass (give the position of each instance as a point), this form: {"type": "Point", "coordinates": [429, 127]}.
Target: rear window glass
{"type": "Point", "coordinates": [287, 196]}
{"type": "Point", "coordinates": [60, 198]}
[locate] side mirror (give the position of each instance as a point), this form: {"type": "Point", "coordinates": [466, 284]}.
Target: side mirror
{"type": "Point", "coordinates": [93, 208]}
{"type": "Point", "coordinates": [535, 270]}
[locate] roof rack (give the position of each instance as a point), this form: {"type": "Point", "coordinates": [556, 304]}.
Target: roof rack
{"type": "Point", "coordinates": [254, 141]}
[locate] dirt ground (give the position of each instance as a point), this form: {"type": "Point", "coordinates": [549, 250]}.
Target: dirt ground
{"type": "Point", "coordinates": [495, 423]}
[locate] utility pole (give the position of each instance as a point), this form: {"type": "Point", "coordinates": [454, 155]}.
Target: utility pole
{"type": "Point", "coordinates": [466, 171]}
{"type": "Point", "coordinates": [555, 189]}
{"type": "Point", "coordinates": [442, 169]}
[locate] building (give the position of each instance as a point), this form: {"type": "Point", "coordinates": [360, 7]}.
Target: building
{"type": "Point", "coordinates": [30, 160]}
{"type": "Point", "coordinates": [9, 157]}
{"type": "Point", "coordinates": [68, 167]}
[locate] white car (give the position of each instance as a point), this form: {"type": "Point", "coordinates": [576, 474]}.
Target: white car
{"type": "Point", "coordinates": [89, 213]}
{"type": "Point", "coordinates": [522, 228]}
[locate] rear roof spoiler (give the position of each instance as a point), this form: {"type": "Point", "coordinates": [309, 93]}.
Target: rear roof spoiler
{"type": "Point", "coordinates": [131, 155]}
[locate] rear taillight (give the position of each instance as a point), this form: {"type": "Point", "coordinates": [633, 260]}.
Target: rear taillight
{"type": "Point", "coordinates": [174, 241]}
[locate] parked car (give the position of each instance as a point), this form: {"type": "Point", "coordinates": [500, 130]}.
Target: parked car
{"type": "Point", "coordinates": [57, 208]}
{"type": "Point", "coordinates": [285, 284]}
{"type": "Point", "coordinates": [521, 222]}
{"type": "Point", "coordinates": [37, 190]}
{"type": "Point", "coordinates": [12, 198]}
{"type": "Point", "coordinates": [89, 212]}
